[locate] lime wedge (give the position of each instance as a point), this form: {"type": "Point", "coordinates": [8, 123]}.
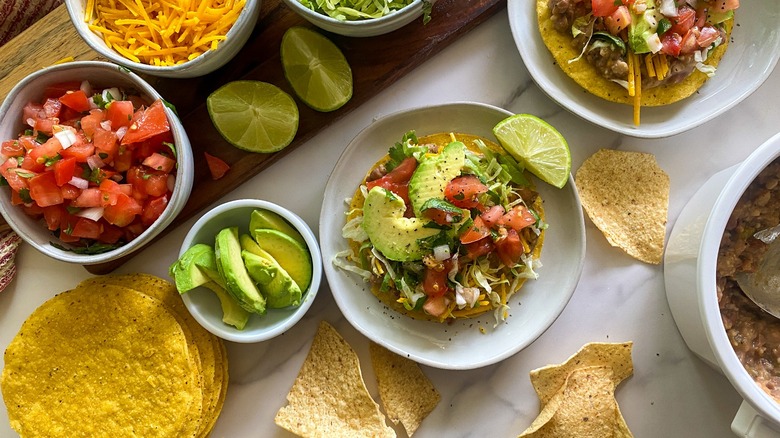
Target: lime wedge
{"type": "Point", "coordinates": [316, 69]}
{"type": "Point", "coordinates": [254, 116]}
{"type": "Point", "coordinates": [536, 145]}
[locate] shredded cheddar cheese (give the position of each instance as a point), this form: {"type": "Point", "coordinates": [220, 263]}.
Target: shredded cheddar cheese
{"type": "Point", "coordinates": [631, 85]}
{"type": "Point", "coordinates": [637, 89]}
{"type": "Point", "coordinates": [162, 33]}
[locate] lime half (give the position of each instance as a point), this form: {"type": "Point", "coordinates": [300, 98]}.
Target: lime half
{"type": "Point", "coordinates": [316, 69]}
{"type": "Point", "coordinates": [536, 145]}
{"type": "Point", "coordinates": [254, 116]}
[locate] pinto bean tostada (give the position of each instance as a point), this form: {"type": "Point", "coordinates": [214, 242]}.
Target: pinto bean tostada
{"type": "Point", "coordinates": [639, 52]}
{"type": "Point", "coordinates": [445, 226]}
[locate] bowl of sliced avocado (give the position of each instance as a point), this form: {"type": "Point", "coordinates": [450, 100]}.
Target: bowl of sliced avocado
{"type": "Point", "coordinates": [248, 270]}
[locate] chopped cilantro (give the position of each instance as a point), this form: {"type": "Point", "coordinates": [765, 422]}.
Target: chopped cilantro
{"type": "Point", "coordinates": [24, 194]}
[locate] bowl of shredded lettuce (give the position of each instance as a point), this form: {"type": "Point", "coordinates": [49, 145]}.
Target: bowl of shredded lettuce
{"type": "Point", "coordinates": [361, 18]}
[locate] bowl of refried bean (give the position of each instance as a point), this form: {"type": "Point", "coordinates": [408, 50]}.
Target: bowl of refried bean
{"type": "Point", "coordinates": [713, 240]}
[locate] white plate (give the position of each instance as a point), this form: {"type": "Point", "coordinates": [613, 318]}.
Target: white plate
{"type": "Point", "coordinates": [750, 58]}
{"type": "Point", "coordinates": [459, 345]}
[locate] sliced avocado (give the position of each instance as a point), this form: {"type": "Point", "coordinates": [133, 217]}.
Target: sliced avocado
{"type": "Point", "coordinates": [266, 219]}
{"type": "Point", "coordinates": [716, 17]}
{"type": "Point", "coordinates": [232, 313]}
{"type": "Point", "coordinates": [288, 253]}
{"type": "Point", "coordinates": [390, 232]}
{"type": "Point", "coordinates": [278, 287]}
{"type": "Point", "coordinates": [231, 267]}
{"type": "Point", "coordinates": [434, 173]}
{"type": "Point", "coordinates": [185, 272]}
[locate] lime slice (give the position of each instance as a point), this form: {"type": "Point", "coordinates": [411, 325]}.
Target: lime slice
{"type": "Point", "coordinates": [254, 116]}
{"type": "Point", "coordinates": [316, 69]}
{"type": "Point", "coordinates": [536, 145]}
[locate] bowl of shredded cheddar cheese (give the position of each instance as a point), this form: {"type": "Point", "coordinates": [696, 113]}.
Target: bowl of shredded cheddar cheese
{"type": "Point", "coordinates": [171, 39]}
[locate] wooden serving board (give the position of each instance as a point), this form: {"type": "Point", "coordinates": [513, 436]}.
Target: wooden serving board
{"type": "Point", "coordinates": [54, 38]}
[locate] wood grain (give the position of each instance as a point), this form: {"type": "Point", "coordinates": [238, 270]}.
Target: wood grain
{"type": "Point", "coordinates": [54, 38]}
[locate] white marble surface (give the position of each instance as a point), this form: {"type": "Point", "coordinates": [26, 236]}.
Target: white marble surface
{"type": "Point", "coordinates": [672, 393]}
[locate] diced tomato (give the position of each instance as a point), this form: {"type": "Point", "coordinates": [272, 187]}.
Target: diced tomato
{"type": "Point", "coordinates": [493, 215]}
{"type": "Point", "coordinates": [75, 100]}
{"type": "Point", "coordinates": [603, 8]}
{"type": "Point", "coordinates": [79, 151]}
{"type": "Point", "coordinates": [123, 160]}
{"type": "Point", "coordinates": [689, 44]}
{"type": "Point", "coordinates": [54, 216]}
{"type": "Point", "coordinates": [52, 108]}
{"type": "Point", "coordinates": [133, 230]}
{"type": "Point", "coordinates": [479, 248]}
{"type": "Point", "coordinates": [89, 197]}
{"type": "Point", "coordinates": [120, 113]}
{"type": "Point", "coordinates": [435, 306]}
{"type": "Point", "coordinates": [111, 233]}
{"type": "Point", "coordinates": [685, 19]}
{"type": "Point", "coordinates": [725, 5]}
{"type": "Point", "coordinates": [28, 142]}
{"type": "Point", "coordinates": [106, 144]}
{"type": "Point", "coordinates": [16, 199]}
{"type": "Point", "coordinates": [435, 281]}
{"type": "Point", "coordinates": [441, 217]}
{"type": "Point", "coordinates": [707, 36]}
{"type": "Point", "coordinates": [670, 44]}
{"type": "Point", "coordinates": [509, 248]}
{"type": "Point", "coordinates": [475, 232]}
{"type": "Point", "coordinates": [12, 148]}
{"type": "Point", "coordinates": [217, 167]}
{"type": "Point", "coordinates": [153, 208]}
{"type": "Point", "coordinates": [159, 162]}
{"type": "Point", "coordinates": [44, 190]}
{"type": "Point", "coordinates": [70, 117]}
{"type": "Point", "coordinates": [618, 20]}
{"type": "Point", "coordinates": [64, 170]}
{"type": "Point", "coordinates": [14, 180]}
{"type": "Point", "coordinates": [518, 218]}
{"type": "Point", "coordinates": [46, 151]}
{"type": "Point", "coordinates": [33, 210]}
{"type": "Point", "coordinates": [57, 90]}
{"type": "Point", "coordinates": [86, 229]}
{"type": "Point", "coordinates": [147, 123]}
{"type": "Point", "coordinates": [463, 191]}
{"type": "Point", "coordinates": [151, 145]}
{"type": "Point", "coordinates": [92, 121]}
{"type": "Point", "coordinates": [123, 212]}
{"type": "Point", "coordinates": [28, 163]}
{"type": "Point", "coordinates": [69, 192]}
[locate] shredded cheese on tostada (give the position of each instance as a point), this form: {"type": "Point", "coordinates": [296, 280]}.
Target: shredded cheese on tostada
{"type": "Point", "coordinates": [163, 33]}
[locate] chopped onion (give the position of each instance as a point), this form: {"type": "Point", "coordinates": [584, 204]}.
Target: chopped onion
{"type": "Point", "coordinates": [86, 87]}
{"type": "Point", "coordinates": [654, 43]}
{"type": "Point", "coordinates": [171, 182]}
{"type": "Point", "coordinates": [693, 3]}
{"type": "Point", "coordinates": [668, 8]}
{"type": "Point", "coordinates": [30, 122]}
{"type": "Point", "coordinates": [441, 252]}
{"type": "Point", "coordinates": [92, 213]}
{"type": "Point", "coordinates": [79, 183]}
{"type": "Point", "coordinates": [115, 94]}
{"type": "Point", "coordinates": [66, 137]}
{"type": "Point", "coordinates": [106, 124]}
{"type": "Point", "coordinates": [120, 133]}
{"type": "Point", "coordinates": [94, 162]}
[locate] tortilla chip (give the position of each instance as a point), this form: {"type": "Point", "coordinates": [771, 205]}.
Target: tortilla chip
{"type": "Point", "coordinates": [584, 407]}
{"type": "Point", "coordinates": [329, 397]}
{"type": "Point", "coordinates": [626, 195]}
{"type": "Point", "coordinates": [101, 362]}
{"type": "Point", "coordinates": [407, 394]}
{"type": "Point", "coordinates": [559, 45]}
{"type": "Point", "coordinates": [577, 396]}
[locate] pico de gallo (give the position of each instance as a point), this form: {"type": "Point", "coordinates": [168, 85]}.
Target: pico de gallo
{"type": "Point", "coordinates": [97, 166]}
{"type": "Point", "coordinates": [484, 235]}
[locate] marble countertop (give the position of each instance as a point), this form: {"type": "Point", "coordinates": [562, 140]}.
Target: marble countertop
{"type": "Point", "coordinates": [672, 392]}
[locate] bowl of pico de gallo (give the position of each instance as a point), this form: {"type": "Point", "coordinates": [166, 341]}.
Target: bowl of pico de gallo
{"type": "Point", "coordinates": [94, 162]}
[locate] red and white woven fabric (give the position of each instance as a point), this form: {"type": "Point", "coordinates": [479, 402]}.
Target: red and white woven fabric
{"type": "Point", "coordinates": [18, 15]}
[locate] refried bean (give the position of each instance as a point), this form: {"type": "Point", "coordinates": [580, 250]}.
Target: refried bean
{"type": "Point", "coordinates": [753, 333]}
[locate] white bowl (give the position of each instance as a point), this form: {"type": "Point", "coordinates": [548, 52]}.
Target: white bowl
{"type": "Point", "coordinates": [750, 58]}
{"type": "Point", "coordinates": [360, 28]}
{"type": "Point", "coordinates": [100, 74]}
{"type": "Point", "coordinates": [689, 274]}
{"type": "Point", "coordinates": [204, 305]}
{"type": "Point", "coordinates": [460, 344]}
{"type": "Point", "coordinates": [203, 64]}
